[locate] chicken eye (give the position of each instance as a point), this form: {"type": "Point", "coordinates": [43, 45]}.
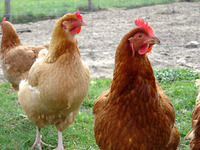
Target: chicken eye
{"type": "Point", "coordinates": [70, 20]}
{"type": "Point", "coordinates": [139, 36]}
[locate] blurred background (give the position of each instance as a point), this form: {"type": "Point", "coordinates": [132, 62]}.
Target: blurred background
{"type": "Point", "coordinates": [22, 11]}
{"type": "Point", "coordinates": [175, 22]}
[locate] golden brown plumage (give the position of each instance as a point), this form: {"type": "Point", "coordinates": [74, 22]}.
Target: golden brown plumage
{"type": "Point", "coordinates": [16, 59]}
{"type": "Point", "coordinates": [194, 133]}
{"type": "Point", "coordinates": [134, 114]}
{"type": "Point", "coordinates": [57, 83]}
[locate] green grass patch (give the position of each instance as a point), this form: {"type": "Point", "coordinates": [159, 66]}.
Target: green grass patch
{"type": "Point", "coordinates": [16, 132]}
{"type": "Point", "coordinates": [170, 75]}
{"type": "Point", "coordinates": [25, 11]}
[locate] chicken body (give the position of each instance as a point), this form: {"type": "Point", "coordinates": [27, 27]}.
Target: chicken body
{"type": "Point", "coordinates": [194, 133]}
{"type": "Point", "coordinates": [55, 91]}
{"type": "Point", "coordinates": [57, 83]}
{"type": "Point", "coordinates": [134, 114]}
{"type": "Point", "coordinates": [16, 59]}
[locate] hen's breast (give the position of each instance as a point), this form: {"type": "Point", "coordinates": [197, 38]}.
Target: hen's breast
{"type": "Point", "coordinates": [128, 122]}
{"type": "Point", "coordinates": [64, 85]}
{"type": "Point", "coordinates": [58, 95]}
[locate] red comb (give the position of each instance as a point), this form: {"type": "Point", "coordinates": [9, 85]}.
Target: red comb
{"type": "Point", "coordinates": [78, 15]}
{"type": "Point", "coordinates": [140, 23]}
{"type": "Point", "coordinates": [4, 19]}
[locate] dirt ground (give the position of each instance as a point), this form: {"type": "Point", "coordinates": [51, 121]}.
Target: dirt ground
{"type": "Point", "coordinates": [175, 24]}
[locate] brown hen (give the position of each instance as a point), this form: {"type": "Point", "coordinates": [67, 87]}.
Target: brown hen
{"type": "Point", "coordinates": [135, 114]}
{"type": "Point", "coordinates": [16, 59]}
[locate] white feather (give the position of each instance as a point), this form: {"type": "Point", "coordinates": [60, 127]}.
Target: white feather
{"type": "Point", "coordinates": [42, 53]}
{"type": "Point", "coordinates": [22, 83]}
{"type": "Point", "coordinates": [191, 135]}
{"type": "Point", "coordinates": [34, 89]}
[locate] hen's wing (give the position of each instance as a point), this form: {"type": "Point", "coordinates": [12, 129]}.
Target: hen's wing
{"type": "Point", "coordinates": [174, 139]}
{"type": "Point", "coordinates": [100, 102]}
{"type": "Point", "coordinates": [21, 58]}
{"type": "Point", "coordinates": [169, 110]}
{"type": "Point", "coordinates": [166, 103]}
{"type": "Point", "coordinates": [36, 68]}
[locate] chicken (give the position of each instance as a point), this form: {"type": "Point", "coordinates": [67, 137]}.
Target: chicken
{"type": "Point", "coordinates": [135, 114]}
{"type": "Point", "coordinates": [194, 133]}
{"type": "Point", "coordinates": [58, 82]}
{"type": "Point", "coordinates": [16, 59]}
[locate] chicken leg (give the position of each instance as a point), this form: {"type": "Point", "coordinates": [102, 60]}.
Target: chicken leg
{"type": "Point", "coordinates": [38, 141]}
{"type": "Point", "coordinates": [60, 142]}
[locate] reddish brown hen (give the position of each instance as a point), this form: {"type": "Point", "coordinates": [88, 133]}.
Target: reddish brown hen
{"type": "Point", "coordinates": [194, 133]}
{"type": "Point", "coordinates": [16, 59]}
{"type": "Point", "coordinates": [135, 114]}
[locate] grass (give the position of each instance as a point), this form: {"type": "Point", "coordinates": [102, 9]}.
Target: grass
{"type": "Point", "coordinates": [25, 11]}
{"type": "Point", "coordinates": [16, 132]}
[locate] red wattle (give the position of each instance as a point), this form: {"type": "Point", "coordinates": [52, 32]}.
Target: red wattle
{"type": "Point", "coordinates": [149, 49]}
{"type": "Point", "coordinates": [78, 31]}
{"type": "Point", "coordinates": [74, 30]}
{"type": "Point", "coordinates": [143, 49]}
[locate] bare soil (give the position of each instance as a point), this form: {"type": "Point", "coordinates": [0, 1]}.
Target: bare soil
{"type": "Point", "coordinates": [175, 24]}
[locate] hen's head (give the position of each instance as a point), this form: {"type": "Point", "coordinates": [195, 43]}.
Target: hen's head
{"type": "Point", "coordinates": [142, 39]}
{"type": "Point", "coordinates": [6, 27]}
{"type": "Point", "coordinates": [72, 22]}
{"type": "Point", "coordinates": [9, 35]}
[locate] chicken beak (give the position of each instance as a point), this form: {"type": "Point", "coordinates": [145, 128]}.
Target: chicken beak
{"type": "Point", "coordinates": [154, 40]}
{"type": "Point", "coordinates": [82, 23]}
